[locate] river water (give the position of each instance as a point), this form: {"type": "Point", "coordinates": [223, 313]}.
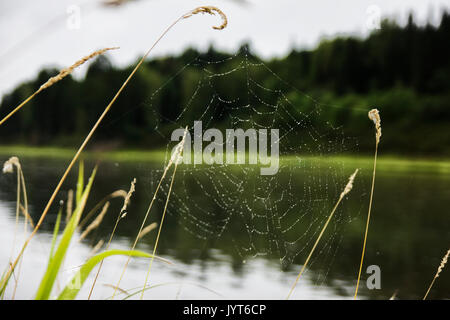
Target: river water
{"type": "Point", "coordinates": [232, 235]}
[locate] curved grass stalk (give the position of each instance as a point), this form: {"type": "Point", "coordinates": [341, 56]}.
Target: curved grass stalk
{"type": "Point", "coordinates": [27, 216]}
{"type": "Point", "coordinates": [96, 248]}
{"type": "Point", "coordinates": [8, 167]}
{"type": "Point", "coordinates": [100, 204]}
{"type": "Point", "coordinates": [375, 117]}
{"type": "Point", "coordinates": [25, 197]}
{"type": "Point", "coordinates": [347, 189]}
{"type": "Point", "coordinates": [16, 225]}
{"type": "Point", "coordinates": [96, 223]}
{"type": "Point", "coordinates": [147, 229]}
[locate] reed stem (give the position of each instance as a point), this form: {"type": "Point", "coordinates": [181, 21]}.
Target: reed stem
{"type": "Point", "coordinates": [159, 231]}
{"type": "Point", "coordinates": [374, 115]}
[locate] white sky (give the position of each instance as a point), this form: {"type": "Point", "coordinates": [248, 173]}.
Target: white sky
{"type": "Point", "coordinates": [34, 34]}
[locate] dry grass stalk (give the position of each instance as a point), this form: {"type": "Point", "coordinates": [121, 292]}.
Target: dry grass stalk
{"type": "Point", "coordinates": [440, 268]}
{"type": "Point", "coordinates": [97, 247]}
{"type": "Point", "coordinates": [176, 159]}
{"type": "Point", "coordinates": [374, 115]}
{"type": "Point", "coordinates": [212, 11]}
{"type": "Point", "coordinates": [80, 150]}
{"type": "Point", "coordinates": [121, 215]}
{"type": "Point", "coordinates": [347, 189]}
{"type": "Point", "coordinates": [113, 286]}
{"type": "Point", "coordinates": [69, 208]}
{"type": "Point", "coordinates": [126, 201]}
{"type": "Point", "coordinates": [26, 215]}
{"type": "Point", "coordinates": [96, 223]}
{"type": "Point", "coordinates": [100, 204]}
{"type": "Point", "coordinates": [61, 75]}
{"type": "Point", "coordinates": [66, 71]}
{"type": "Point", "coordinates": [8, 167]}
{"type": "Point", "coordinates": [147, 229]}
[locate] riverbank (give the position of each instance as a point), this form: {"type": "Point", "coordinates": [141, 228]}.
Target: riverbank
{"type": "Point", "coordinates": [385, 162]}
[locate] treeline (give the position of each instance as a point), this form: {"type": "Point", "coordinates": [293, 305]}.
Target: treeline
{"type": "Point", "coordinates": [403, 71]}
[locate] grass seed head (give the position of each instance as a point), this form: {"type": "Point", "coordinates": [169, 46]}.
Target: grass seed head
{"type": "Point", "coordinates": [8, 166]}
{"type": "Point", "coordinates": [349, 185]}
{"type": "Point", "coordinates": [374, 115]}
{"type": "Point", "coordinates": [212, 11]}
{"type": "Point", "coordinates": [126, 201]}
{"type": "Point", "coordinates": [443, 263]}
{"type": "Point", "coordinates": [177, 153]}
{"type": "Point", "coordinates": [65, 72]}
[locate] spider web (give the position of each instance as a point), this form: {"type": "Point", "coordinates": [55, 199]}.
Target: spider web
{"type": "Point", "coordinates": [278, 216]}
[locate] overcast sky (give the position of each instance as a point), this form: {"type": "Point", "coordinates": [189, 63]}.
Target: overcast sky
{"type": "Point", "coordinates": [41, 33]}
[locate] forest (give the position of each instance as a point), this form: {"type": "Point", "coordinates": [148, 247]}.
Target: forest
{"type": "Point", "coordinates": [404, 71]}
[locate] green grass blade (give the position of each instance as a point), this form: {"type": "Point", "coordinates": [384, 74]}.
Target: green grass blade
{"type": "Point", "coordinates": [55, 234]}
{"type": "Point", "coordinates": [2, 291]}
{"type": "Point", "coordinates": [54, 265]}
{"type": "Point", "coordinates": [71, 290]}
{"type": "Point", "coordinates": [80, 182]}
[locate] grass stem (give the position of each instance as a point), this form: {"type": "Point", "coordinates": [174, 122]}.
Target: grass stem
{"type": "Point", "coordinates": [375, 117]}
{"type": "Point", "coordinates": [347, 189]}
{"type": "Point", "coordinates": [159, 231]}
{"type": "Point", "coordinates": [440, 268]}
